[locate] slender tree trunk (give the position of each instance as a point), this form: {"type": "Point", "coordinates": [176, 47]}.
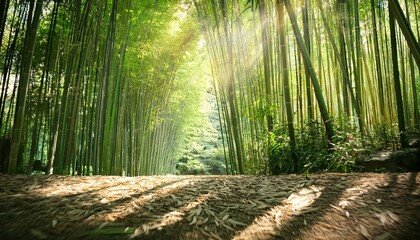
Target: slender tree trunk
{"type": "Point", "coordinates": [378, 62]}
{"type": "Point", "coordinates": [54, 129]}
{"type": "Point", "coordinates": [416, 117]}
{"type": "Point", "coordinates": [4, 7]}
{"type": "Point", "coordinates": [307, 39]}
{"type": "Point", "coordinates": [358, 68]}
{"type": "Point", "coordinates": [285, 79]}
{"type": "Point", "coordinates": [235, 127]}
{"type": "Point", "coordinates": [266, 59]}
{"type": "Point", "coordinates": [103, 100]}
{"type": "Point", "coordinates": [28, 50]}
{"type": "Point", "coordinates": [397, 85]}
{"type": "Point", "coordinates": [398, 14]}
{"type": "Point", "coordinates": [342, 63]}
{"type": "Point", "coordinates": [307, 60]}
{"type": "Point", "coordinates": [38, 120]}
{"type": "Point", "coordinates": [8, 61]}
{"type": "Point", "coordinates": [343, 54]}
{"type": "Point", "coordinates": [70, 136]}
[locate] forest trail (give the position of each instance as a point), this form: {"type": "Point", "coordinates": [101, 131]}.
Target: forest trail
{"type": "Point", "coordinates": [327, 206]}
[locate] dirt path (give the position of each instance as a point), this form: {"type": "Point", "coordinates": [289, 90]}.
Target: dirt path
{"type": "Point", "coordinates": [328, 206]}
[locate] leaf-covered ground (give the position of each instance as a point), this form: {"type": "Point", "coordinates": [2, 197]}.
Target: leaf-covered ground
{"type": "Point", "coordinates": [327, 206]}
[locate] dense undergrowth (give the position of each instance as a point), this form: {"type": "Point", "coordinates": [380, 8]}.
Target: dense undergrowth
{"type": "Point", "coordinates": [316, 154]}
{"type": "Point", "coordinates": [313, 151]}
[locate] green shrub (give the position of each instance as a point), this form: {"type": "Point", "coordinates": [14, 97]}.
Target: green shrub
{"type": "Point", "coordinates": [192, 167]}
{"type": "Point", "coordinates": [315, 153]}
{"type": "Point", "coordinates": [310, 150]}
{"type": "Point", "coordinates": [215, 166]}
{"type": "Point", "coordinates": [383, 136]}
{"type": "Point", "coordinates": [279, 153]}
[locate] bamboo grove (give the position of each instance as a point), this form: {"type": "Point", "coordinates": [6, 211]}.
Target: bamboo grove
{"type": "Point", "coordinates": [107, 87]}
{"type": "Point", "coordinates": [288, 72]}
{"type": "Point", "coordinates": [93, 86]}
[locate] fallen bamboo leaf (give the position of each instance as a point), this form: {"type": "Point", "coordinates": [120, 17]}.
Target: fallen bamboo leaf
{"type": "Point", "coordinates": [384, 236]}
{"type": "Point", "coordinates": [113, 231]}
{"type": "Point", "coordinates": [227, 226]}
{"type": "Point", "coordinates": [336, 208]}
{"type": "Point", "coordinates": [211, 235]}
{"type": "Point", "coordinates": [135, 205]}
{"type": "Point", "coordinates": [194, 220]}
{"type": "Point", "coordinates": [204, 221]}
{"type": "Point", "coordinates": [261, 205]}
{"type": "Point", "coordinates": [343, 204]}
{"type": "Point", "coordinates": [54, 222]}
{"type": "Point", "coordinates": [103, 225]}
{"type": "Point", "coordinates": [38, 234]}
{"type": "Point", "coordinates": [393, 216]}
{"type": "Point", "coordinates": [309, 210]}
{"type": "Point", "coordinates": [156, 226]}
{"type": "Point", "coordinates": [234, 222]}
{"type": "Point", "coordinates": [199, 210]}
{"type": "Point", "coordinates": [382, 217]}
{"type": "Point", "coordinates": [210, 212]}
{"type": "Point", "coordinates": [224, 218]}
{"type": "Point", "coordinates": [364, 231]}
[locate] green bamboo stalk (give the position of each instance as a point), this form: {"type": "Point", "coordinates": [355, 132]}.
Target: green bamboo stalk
{"type": "Point", "coordinates": [398, 14]}
{"type": "Point", "coordinates": [399, 100]}
{"type": "Point", "coordinates": [285, 79]}
{"type": "Point", "coordinates": [318, 92]}
{"type": "Point", "coordinates": [33, 20]}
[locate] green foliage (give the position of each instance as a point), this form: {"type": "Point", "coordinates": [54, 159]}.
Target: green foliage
{"type": "Point", "coordinates": [215, 164]}
{"type": "Point", "coordinates": [311, 149]}
{"type": "Point", "coordinates": [382, 136]}
{"type": "Point", "coordinates": [279, 153]}
{"type": "Point", "coordinates": [257, 160]}
{"type": "Point", "coordinates": [316, 154]}
{"type": "Point", "coordinates": [192, 167]}
{"type": "Point", "coordinates": [201, 137]}
{"type": "Point", "coordinates": [207, 163]}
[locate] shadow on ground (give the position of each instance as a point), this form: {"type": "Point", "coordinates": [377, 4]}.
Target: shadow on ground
{"type": "Point", "coordinates": [329, 206]}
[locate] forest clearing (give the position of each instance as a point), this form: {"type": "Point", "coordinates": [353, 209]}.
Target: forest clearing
{"type": "Point", "coordinates": [324, 206]}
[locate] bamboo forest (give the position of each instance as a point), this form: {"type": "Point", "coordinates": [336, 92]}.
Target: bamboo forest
{"type": "Point", "coordinates": [294, 90]}
{"type": "Point", "coordinates": [209, 119]}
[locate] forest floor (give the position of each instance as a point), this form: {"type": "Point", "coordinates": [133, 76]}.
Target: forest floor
{"type": "Point", "coordinates": [327, 206]}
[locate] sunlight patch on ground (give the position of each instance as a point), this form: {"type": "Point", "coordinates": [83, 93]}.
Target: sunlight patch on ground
{"type": "Point", "coordinates": [273, 220]}
{"type": "Point", "coordinates": [134, 202]}
{"type": "Point", "coordinates": [89, 186]}
{"type": "Point", "coordinates": [328, 206]}
{"type": "Point", "coordinates": [193, 209]}
{"type": "Point", "coordinates": [342, 212]}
